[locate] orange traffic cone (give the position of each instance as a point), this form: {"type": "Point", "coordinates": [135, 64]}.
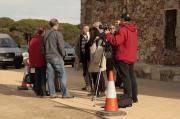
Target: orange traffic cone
{"type": "Point", "coordinates": [111, 98]}
{"type": "Point", "coordinates": [111, 106]}
{"type": "Point", "coordinates": [24, 86]}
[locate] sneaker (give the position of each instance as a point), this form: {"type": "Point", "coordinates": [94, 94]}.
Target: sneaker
{"type": "Point", "coordinates": [54, 96]}
{"type": "Point", "coordinates": [135, 100]}
{"type": "Point", "coordinates": [68, 96]}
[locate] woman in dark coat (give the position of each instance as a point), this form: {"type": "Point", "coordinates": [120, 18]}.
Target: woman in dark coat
{"type": "Point", "coordinates": [38, 62]}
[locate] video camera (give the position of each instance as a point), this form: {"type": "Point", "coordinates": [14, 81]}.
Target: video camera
{"type": "Point", "coordinates": [104, 27]}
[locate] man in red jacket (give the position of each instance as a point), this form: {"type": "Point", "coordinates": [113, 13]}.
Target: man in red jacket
{"type": "Point", "coordinates": [126, 42]}
{"type": "Point", "coordinates": [38, 62]}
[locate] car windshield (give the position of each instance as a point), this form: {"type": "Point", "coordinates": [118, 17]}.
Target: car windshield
{"type": "Point", "coordinates": [66, 45]}
{"type": "Point", "coordinates": [7, 42]}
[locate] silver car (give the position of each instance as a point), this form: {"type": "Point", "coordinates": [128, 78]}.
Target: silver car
{"type": "Point", "coordinates": [10, 53]}
{"type": "Point", "coordinates": [69, 54]}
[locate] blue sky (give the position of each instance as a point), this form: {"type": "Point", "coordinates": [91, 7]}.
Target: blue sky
{"type": "Point", "coordinates": [65, 10]}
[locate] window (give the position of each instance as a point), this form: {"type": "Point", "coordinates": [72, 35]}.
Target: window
{"type": "Point", "coordinates": [170, 31]}
{"type": "Point", "coordinates": [67, 45]}
{"type": "Point", "coordinates": [7, 42]}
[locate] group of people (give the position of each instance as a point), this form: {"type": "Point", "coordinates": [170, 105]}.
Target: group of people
{"type": "Point", "coordinates": [99, 49]}
{"type": "Point", "coordinates": [46, 52]}
{"type": "Point", "coordinates": [104, 49]}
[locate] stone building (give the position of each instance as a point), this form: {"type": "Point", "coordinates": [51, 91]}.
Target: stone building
{"type": "Point", "coordinates": [158, 28]}
{"type": "Point", "coordinates": [158, 25]}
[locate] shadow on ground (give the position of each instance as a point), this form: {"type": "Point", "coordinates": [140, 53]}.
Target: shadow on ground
{"type": "Point", "coordinates": [150, 88]}
{"type": "Point", "coordinates": [75, 82]}
{"type": "Point", "coordinates": [89, 111]}
{"type": "Point", "coordinates": [11, 90]}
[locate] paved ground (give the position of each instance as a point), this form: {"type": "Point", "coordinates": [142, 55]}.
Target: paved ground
{"type": "Point", "coordinates": [24, 105]}
{"type": "Point", "coordinates": [157, 100]}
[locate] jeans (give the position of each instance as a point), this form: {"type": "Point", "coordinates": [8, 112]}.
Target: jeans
{"type": "Point", "coordinates": [56, 64]}
{"type": "Point", "coordinates": [127, 76]}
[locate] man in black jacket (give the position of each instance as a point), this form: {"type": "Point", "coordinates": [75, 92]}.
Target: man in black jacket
{"type": "Point", "coordinates": [80, 51]}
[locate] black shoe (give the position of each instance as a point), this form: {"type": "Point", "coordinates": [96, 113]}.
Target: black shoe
{"type": "Point", "coordinates": [85, 88]}
{"type": "Point", "coordinates": [135, 100]}
{"type": "Point", "coordinates": [47, 93]}
{"type": "Point", "coordinates": [68, 97]}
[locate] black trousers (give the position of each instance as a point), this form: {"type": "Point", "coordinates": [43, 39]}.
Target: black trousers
{"type": "Point", "coordinates": [84, 64]}
{"type": "Point", "coordinates": [85, 69]}
{"type": "Point", "coordinates": [101, 87]}
{"type": "Point", "coordinates": [119, 81]}
{"type": "Point", "coordinates": [40, 81]}
{"type": "Point", "coordinates": [127, 76]}
{"type": "Point", "coordinates": [110, 65]}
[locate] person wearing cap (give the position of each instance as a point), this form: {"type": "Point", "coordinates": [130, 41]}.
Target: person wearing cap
{"type": "Point", "coordinates": [53, 49]}
{"type": "Point", "coordinates": [38, 62]}
{"type": "Point", "coordinates": [126, 42]}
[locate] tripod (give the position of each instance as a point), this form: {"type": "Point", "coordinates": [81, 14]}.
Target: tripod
{"type": "Point", "coordinates": [94, 97]}
{"type": "Point", "coordinates": [108, 50]}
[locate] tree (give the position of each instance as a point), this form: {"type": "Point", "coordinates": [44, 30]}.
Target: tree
{"type": "Point", "coordinates": [29, 25]}
{"type": "Point", "coordinates": [70, 33]}
{"type": "Point", "coordinates": [5, 22]}
{"type": "Point", "coordinates": [17, 29]}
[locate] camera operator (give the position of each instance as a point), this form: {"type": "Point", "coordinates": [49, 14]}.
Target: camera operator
{"type": "Point", "coordinates": [126, 42]}
{"type": "Point", "coordinates": [97, 60]}
{"type": "Point", "coordinates": [110, 54]}
{"type": "Point", "coordinates": [101, 29]}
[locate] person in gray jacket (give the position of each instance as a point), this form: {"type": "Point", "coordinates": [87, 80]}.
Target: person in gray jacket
{"type": "Point", "coordinates": [54, 53]}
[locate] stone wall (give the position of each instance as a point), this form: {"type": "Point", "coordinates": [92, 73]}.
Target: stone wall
{"type": "Point", "coordinates": [157, 72]}
{"type": "Point", "coordinates": [150, 17]}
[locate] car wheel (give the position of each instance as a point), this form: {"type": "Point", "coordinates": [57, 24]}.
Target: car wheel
{"type": "Point", "coordinates": [18, 66]}
{"type": "Point", "coordinates": [4, 67]}
{"type": "Point", "coordinates": [72, 64]}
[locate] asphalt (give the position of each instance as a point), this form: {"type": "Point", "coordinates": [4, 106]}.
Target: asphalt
{"type": "Point", "coordinates": [157, 100]}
